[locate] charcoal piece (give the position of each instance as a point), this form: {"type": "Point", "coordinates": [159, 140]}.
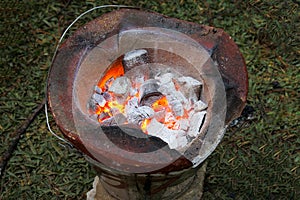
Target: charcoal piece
{"type": "Point", "coordinates": [196, 120]}
{"type": "Point", "coordinates": [97, 90]}
{"type": "Point", "coordinates": [148, 89]}
{"type": "Point", "coordinates": [135, 58]}
{"type": "Point", "coordinates": [187, 80]}
{"type": "Point", "coordinates": [167, 88]}
{"type": "Point", "coordinates": [176, 142]}
{"type": "Point", "coordinates": [103, 116]}
{"type": "Point", "coordinates": [184, 124]}
{"type": "Point", "coordinates": [99, 99]}
{"type": "Point", "coordinates": [174, 138]}
{"type": "Point", "coordinates": [120, 89]}
{"type": "Point", "coordinates": [200, 105]}
{"type": "Point", "coordinates": [137, 115]}
{"type": "Point", "coordinates": [115, 120]}
{"type": "Point", "coordinates": [92, 106]}
{"type": "Point", "coordinates": [155, 128]}
{"type": "Point", "coordinates": [107, 96]}
{"type": "Point", "coordinates": [159, 115]}
{"type": "Point", "coordinates": [164, 78]}
{"type": "Point", "coordinates": [190, 87]}
{"type": "Point", "coordinates": [176, 105]}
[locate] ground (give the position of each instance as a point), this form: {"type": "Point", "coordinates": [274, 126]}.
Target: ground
{"type": "Point", "coordinates": [257, 159]}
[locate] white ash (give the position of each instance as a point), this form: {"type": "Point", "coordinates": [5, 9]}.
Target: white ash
{"type": "Point", "coordinates": [108, 82]}
{"type": "Point", "coordinates": [135, 53]}
{"type": "Point", "coordinates": [187, 80]}
{"type": "Point", "coordinates": [189, 87]}
{"type": "Point", "coordinates": [103, 115]}
{"type": "Point", "coordinates": [169, 117]}
{"type": "Point", "coordinates": [181, 92]}
{"type": "Point", "coordinates": [133, 91]}
{"type": "Point", "coordinates": [139, 79]}
{"type": "Point", "coordinates": [175, 104]}
{"type": "Point", "coordinates": [167, 88]}
{"type": "Point", "coordinates": [180, 97]}
{"type": "Point", "coordinates": [135, 58]}
{"type": "Point", "coordinates": [120, 86]}
{"type": "Point", "coordinates": [117, 119]}
{"type": "Point", "coordinates": [164, 78]}
{"type": "Point", "coordinates": [184, 124]}
{"type": "Point", "coordinates": [196, 120]}
{"type": "Point", "coordinates": [107, 96]}
{"type": "Point", "coordinates": [132, 103]}
{"type": "Point", "coordinates": [160, 114]}
{"type": "Point", "coordinates": [176, 142]}
{"type": "Point", "coordinates": [154, 128]}
{"type": "Point", "coordinates": [136, 115]}
{"type": "Point", "coordinates": [99, 99]}
{"type": "Point", "coordinates": [98, 90]}
{"type": "Point", "coordinates": [200, 105]}
{"type": "Point", "coordinates": [174, 138]}
{"type": "Point", "coordinates": [92, 106]}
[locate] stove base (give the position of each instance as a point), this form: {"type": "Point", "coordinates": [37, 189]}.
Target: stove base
{"type": "Point", "coordinates": [192, 188]}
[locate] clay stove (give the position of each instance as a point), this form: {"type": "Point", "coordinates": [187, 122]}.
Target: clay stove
{"type": "Point", "coordinates": [146, 98]}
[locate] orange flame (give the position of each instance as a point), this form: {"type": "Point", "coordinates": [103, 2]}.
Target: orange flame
{"type": "Point", "coordinates": [115, 70]}
{"type": "Point", "coordinates": [144, 125]}
{"type": "Point", "coordinates": [162, 102]}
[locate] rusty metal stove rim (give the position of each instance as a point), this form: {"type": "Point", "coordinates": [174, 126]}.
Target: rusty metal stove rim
{"type": "Point", "coordinates": [125, 12]}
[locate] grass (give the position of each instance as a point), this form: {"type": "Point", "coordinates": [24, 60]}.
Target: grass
{"type": "Point", "coordinates": [259, 160]}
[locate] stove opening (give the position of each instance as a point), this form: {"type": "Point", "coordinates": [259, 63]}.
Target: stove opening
{"type": "Point", "coordinates": [156, 97]}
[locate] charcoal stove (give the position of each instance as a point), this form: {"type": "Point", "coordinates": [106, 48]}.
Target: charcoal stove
{"type": "Point", "coordinates": [114, 81]}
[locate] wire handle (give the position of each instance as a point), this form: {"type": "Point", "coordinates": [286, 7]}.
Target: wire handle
{"type": "Point", "coordinates": [55, 52]}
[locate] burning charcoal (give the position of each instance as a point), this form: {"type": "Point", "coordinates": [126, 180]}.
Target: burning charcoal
{"type": "Point", "coordinates": [133, 92]}
{"type": "Point", "coordinates": [160, 114]}
{"type": "Point", "coordinates": [121, 87]}
{"type": "Point", "coordinates": [108, 122]}
{"type": "Point", "coordinates": [135, 58]}
{"type": "Point", "coordinates": [164, 78]}
{"type": "Point", "coordinates": [167, 88]}
{"type": "Point", "coordinates": [196, 120]}
{"type": "Point", "coordinates": [139, 79]}
{"type": "Point", "coordinates": [107, 96]}
{"type": "Point", "coordinates": [103, 116]}
{"type": "Point", "coordinates": [176, 105]}
{"type": "Point", "coordinates": [108, 83]}
{"type": "Point", "coordinates": [117, 119]}
{"type": "Point", "coordinates": [184, 124]}
{"type": "Point", "coordinates": [180, 97]}
{"type": "Point", "coordinates": [174, 138]}
{"type": "Point", "coordinates": [190, 87]}
{"type": "Point", "coordinates": [155, 128]}
{"type": "Point", "coordinates": [99, 99]}
{"type": "Point", "coordinates": [114, 111]}
{"type": "Point", "coordinates": [137, 115]}
{"type": "Point", "coordinates": [149, 88]}
{"type": "Point", "coordinates": [132, 103]}
{"type": "Point", "coordinates": [200, 105]}
{"type": "Point", "coordinates": [97, 90]}
{"type": "Point", "coordinates": [169, 117]}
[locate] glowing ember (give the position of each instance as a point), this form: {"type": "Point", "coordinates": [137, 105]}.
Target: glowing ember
{"type": "Point", "coordinates": [114, 71]}
{"type": "Point", "coordinates": [165, 104]}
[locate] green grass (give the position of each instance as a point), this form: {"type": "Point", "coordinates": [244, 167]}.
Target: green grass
{"type": "Point", "coordinates": [261, 160]}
